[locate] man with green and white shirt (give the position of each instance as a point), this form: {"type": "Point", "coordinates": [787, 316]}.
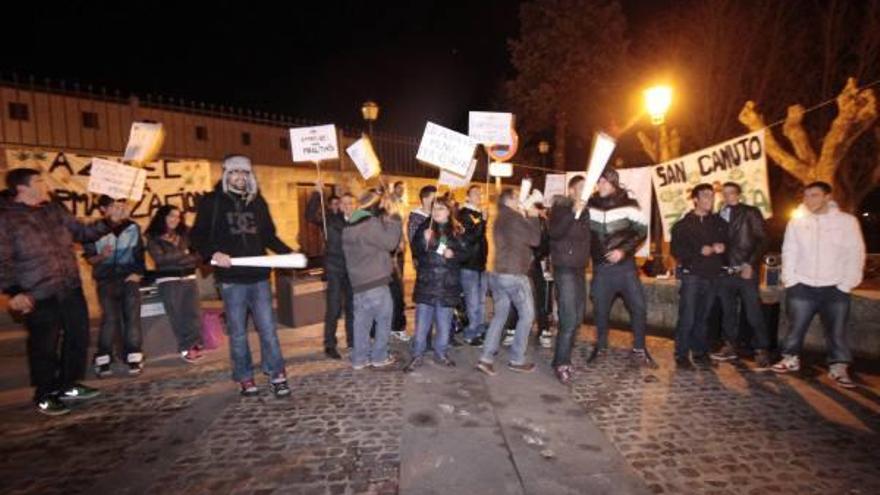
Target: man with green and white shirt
{"type": "Point", "coordinates": [617, 229]}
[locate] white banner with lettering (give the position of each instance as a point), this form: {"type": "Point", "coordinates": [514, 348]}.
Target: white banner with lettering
{"type": "Point", "coordinates": [741, 160]}
{"type": "Point", "coordinates": [179, 183]}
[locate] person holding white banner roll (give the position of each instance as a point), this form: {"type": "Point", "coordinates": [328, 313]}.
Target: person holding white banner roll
{"type": "Point", "coordinates": [234, 221]}
{"type": "Point", "coordinates": [617, 228]}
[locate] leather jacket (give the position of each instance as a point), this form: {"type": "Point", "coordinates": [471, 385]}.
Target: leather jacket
{"type": "Point", "coordinates": [745, 234]}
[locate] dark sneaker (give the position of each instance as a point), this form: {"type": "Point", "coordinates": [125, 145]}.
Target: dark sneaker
{"type": "Point", "coordinates": [332, 353]}
{"type": "Point", "coordinates": [487, 368]}
{"type": "Point", "coordinates": [50, 405]}
{"type": "Point", "coordinates": [642, 358]}
{"type": "Point", "coordinates": [475, 342]}
{"type": "Point", "coordinates": [762, 360]}
{"type": "Point", "coordinates": [103, 371]}
{"type": "Point", "coordinates": [249, 388]}
{"type": "Point", "coordinates": [727, 353]}
{"type": "Point", "coordinates": [79, 392]}
{"type": "Point", "coordinates": [522, 368]}
{"type": "Point", "coordinates": [280, 388]}
{"type": "Point", "coordinates": [598, 353]}
{"type": "Point", "coordinates": [454, 341]}
{"type": "Point", "coordinates": [135, 369]}
{"type": "Point", "coordinates": [192, 356]}
{"type": "Point", "coordinates": [414, 364]}
{"type": "Point", "coordinates": [684, 363]}
{"type": "Point", "coordinates": [564, 373]}
{"type": "Point", "coordinates": [445, 361]}
{"type": "Point", "coordinates": [702, 361]}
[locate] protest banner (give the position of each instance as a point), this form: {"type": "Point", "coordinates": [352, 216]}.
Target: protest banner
{"type": "Point", "coordinates": [168, 182]}
{"type": "Point", "coordinates": [291, 260]}
{"type": "Point", "coordinates": [491, 128]}
{"type": "Point", "coordinates": [742, 160]}
{"type": "Point", "coordinates": [117, 180]}
{"type": "Point", "coordinates": [554, 185]}
{"type": "Point", "coordinates": [454, 181]}
{"type": "Point", "coordinates": [144, 142]}
{"type": "Point", "coordinates": [314, 144]}
{"type": "Point", "coordinates": [364, 157]}
{"type": "Point", "coordinates": [446, 149]}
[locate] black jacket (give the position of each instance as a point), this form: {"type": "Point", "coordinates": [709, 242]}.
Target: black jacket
{"type": "Point", "coordinates": [569, 238]}
{"type": "Point", "coordinates": [475, 229]}
{"type": "Point", "coordinates": [745, 234]}
{"type": "Point", "coordinates": [438, 280]}
{"type": "Point", "coordinates": [689, 235]}
{"type": "Point", "coordinates": [173, 259]}
{"type": "Point", "coordinates": [515, 236]}
{"type": "Point", "coordinates": [227, 223]}
{"type": "Point", "coordinates": [616, 222]}
{"type": "Point", "coordinates": [334, 257]}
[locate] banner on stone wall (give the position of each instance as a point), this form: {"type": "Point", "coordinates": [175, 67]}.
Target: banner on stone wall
{"type": "Point", "coordinates": [175, 182]}
{"type": "Point", "coordinates": [637, 183]}
{"type": "Point", "coordinates": [742, 160]}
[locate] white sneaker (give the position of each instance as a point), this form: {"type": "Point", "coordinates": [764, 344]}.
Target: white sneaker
{"type": "Point", "coordinates": [401, 336]}
{"type": "Point", "coordinates": [546, 340]}
{"type": "Point", "coordinates": [788, 364]}
{"type": "Point", "coordinates": [509, 334]}
{"type": "Point", "coordinates": [840, 374]}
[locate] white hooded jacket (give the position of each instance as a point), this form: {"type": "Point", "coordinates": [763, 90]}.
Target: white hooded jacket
{"type": "Point", "coordinates": [823, 250]}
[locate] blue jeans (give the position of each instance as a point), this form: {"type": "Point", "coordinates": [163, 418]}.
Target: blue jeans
{"type": "Point", "coordinates": [474, 284]}
{"type": "Point", "coordinates": [510, 289]}
{"type": "Point", "coordinates": [802, 302]}
{"type": "Point", "coordinates": [695, 298]}
{"type": "Point", "coordinates": [608, 282]}
{"type": "Point", "coordinates": [238, 299]}
{"type": "Point", "coordinates": [373, 305]}
{"type": "Point", "coordinates": [427, 315]}
{"type": "Point", "coordinates": [571, 297]}
{"type": "Point", "coordinates": [734, 289]}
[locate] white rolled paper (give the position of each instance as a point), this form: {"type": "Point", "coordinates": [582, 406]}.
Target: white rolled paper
{"type": "Point", "coordinates": [292, 260]}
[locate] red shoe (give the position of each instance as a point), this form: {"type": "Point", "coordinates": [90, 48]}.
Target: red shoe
{"type": "Point", "coordinates": [192, 355]}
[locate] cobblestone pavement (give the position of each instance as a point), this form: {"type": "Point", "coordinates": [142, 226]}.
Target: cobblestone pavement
{"type": "Point", "coordinates": [184, 429]}
{"type": "Point", "coordinates": [729, 430]}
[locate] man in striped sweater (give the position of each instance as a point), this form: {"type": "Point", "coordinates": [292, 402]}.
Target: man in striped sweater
{"type": "Point", "coordinates": [617, 229]}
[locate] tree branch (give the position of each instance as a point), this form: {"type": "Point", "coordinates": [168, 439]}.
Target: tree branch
{"type": "Point", "coordinates": [793, 129]}
{"type": "Point", "coordinates": [754, 121]}
{"type": "Point", "coordinates": [857, 111]}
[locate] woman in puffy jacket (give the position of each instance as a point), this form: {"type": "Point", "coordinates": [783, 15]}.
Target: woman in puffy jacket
{"type": "Point", "coordinates": [168, 245]}
{"type": "Point", "coordinates": [440, 247]}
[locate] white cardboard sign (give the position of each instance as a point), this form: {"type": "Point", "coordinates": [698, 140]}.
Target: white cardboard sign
{"type": "Point", "coordinates": [490, 128]}
{"type": "Point", "coordinates": [364, 158]}
{"type": "Point", "coordinates": [554, 185]}
{"type": "Point", "coordinates": [116, 180]}
{"type": "Point", "coordinates": [314, 144]}
{"type": "Point", "coordinates": [603, 147]}
{"type": "Point", "coordinates": [455, 181]}
{"type": "Point", "coordinates": [144, 142]}
{"type": "Point", "coordinates": [446, 149]}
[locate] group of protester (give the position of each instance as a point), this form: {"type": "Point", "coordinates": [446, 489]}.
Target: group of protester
{"type": "Point", "coordinates": [718, 256]}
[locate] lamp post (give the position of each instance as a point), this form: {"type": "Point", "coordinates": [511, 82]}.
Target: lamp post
{"type": "Point", "coordinates": [658, 99]}
{"type": "Point", "coordinates": [370, 112]}
{"type": "Point", "coordinates": [544, 149]}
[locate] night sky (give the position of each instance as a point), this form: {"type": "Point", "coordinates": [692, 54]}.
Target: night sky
{"type": "Point", "coordinates": [427, 60]}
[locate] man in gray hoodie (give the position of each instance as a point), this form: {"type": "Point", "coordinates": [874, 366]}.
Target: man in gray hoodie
{"type": "Point", "coordinates": [374, 231]}
{"type": "Point", "coordinates": [515, 232]}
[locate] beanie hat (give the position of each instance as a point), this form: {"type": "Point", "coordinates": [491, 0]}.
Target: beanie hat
{"type": "Point", "coordinates": [240, 163]}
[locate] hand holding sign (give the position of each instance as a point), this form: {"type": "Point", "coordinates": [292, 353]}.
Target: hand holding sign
{"type": "Point", "coordinates": [292, 260]}
{"type": "Point", "coordinates": [117, 180]}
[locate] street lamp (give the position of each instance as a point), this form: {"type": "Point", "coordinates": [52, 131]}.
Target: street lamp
{"type": "Point", "coordinates": [657, 102]}
{"type": "Point", "coordinates": [543, 149]}
{"type": "Point", "coordinates": [370, 112]}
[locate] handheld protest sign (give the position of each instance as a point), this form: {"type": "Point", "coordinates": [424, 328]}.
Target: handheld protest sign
{"type": "Point", "coordinates": [117, 180]}
{"type": "Point", "coordinates": [491, 128]}
{"type": "Point", "coordinates": [603, 147]}
{"type": "Point", "coordinates": [364, 157]}
{"type": "Point", "coordinates": [525, 187]}
{"type": "Point", "coordinates": [455, 181]}
{"type": "Point", "coordinates": [554, 185]}
{"type": "Point", "coordinates": [144, 142]}
{"type": "Point", "coordinates": [314, 144]}
{"type": "Point", "coordinates": [446, 149]}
